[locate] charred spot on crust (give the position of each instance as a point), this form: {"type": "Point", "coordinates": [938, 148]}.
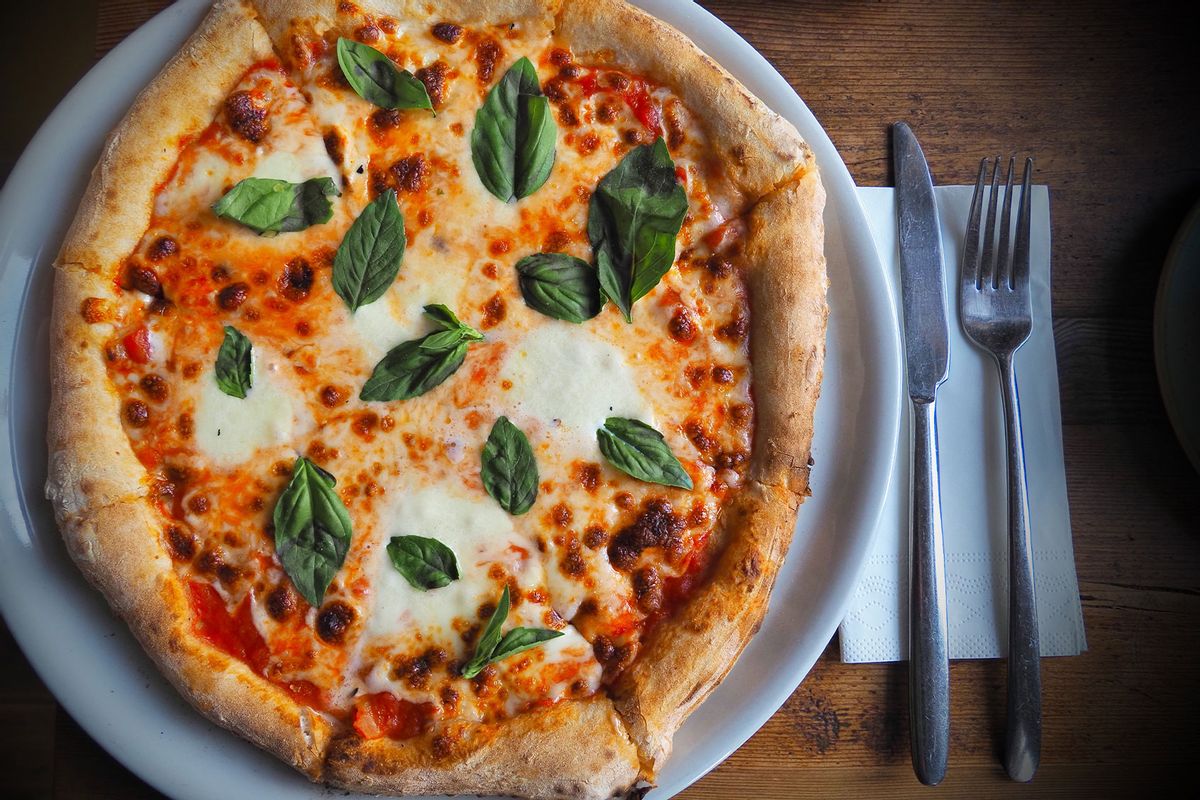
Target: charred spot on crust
{"type": "Point", "coordinates": [487, 53]}
{"type": "Point", "coordinates": [233, 295]}
{"type": "Point", "coordinates": [296, 280]}
{"type": "Point", "coordinates": [434, 78]}
{"type": "Point", "coordinates": [332, 396]}
{"type": "Point", "coordinates": [281, 602]}
{"type": "Point", "coordinates": [247, 115]}
{"type": "Point", "coordinates": [594, 537]}
{"type": "Point", "coordinates": [657, 525]}
{"type": "Point", "coordinates": [162, 247]}
{"type": "Point", "coordinates": [682, 327]}
{"type": "Point", "coordinates": [142, 279]}
{"type": "Point", "coordinates": [447, 32]}
{"type": "Point", "coordinates": [410, 172]}
{"type": "Point", "coordinates": [155, 387]}
{"type": "Point", "coordinates": [181, 545]}
{"type": "Point", "coordinates": [334, 621]}
{"type": "Point", "coordinates": [648, 589]}
{"type": "Point", "coordinates": [137, 413]}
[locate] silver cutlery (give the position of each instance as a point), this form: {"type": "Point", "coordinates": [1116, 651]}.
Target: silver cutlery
{"type": "Point", "coordinates": [996, 314]}
{"type": "Point", "coordinates": [927, 355]}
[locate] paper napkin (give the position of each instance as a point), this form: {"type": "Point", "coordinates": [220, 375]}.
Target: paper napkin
{"type": "Point", "coordinates": [973, 476]}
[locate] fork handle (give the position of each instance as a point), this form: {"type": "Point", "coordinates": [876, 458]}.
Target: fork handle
{"type": "Point", "coordinates": [929, 666]}
{"type": "Point", "coordinates": [1023, 737]}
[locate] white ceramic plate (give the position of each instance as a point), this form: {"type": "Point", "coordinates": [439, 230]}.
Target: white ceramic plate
{"type": "Point", "coordinates": [100, 675]}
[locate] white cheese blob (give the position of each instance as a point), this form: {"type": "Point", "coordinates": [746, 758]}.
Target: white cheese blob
{"type": "Point", "coordinates": [307, 160]}
{"type": "Point", "coordinates": [229, 430]}
{"type": "Point", "coordinates": [570, 380]}
{"type": "Point", "coordinates": [478, 531]}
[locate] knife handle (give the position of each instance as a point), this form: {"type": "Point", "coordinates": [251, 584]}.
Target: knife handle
{"type": "Point", "coordinates": [928, 653]}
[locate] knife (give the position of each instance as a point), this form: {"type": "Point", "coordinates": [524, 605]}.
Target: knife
{"type": "Point", "coordinates": [926, 349]}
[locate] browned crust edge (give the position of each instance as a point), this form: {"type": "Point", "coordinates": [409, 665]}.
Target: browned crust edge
{"type": "Point", "coordinates": [685, 658]}
{"type": "Point", "coordinates": [98, 487]}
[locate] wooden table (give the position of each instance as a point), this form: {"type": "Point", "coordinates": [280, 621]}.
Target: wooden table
{"type": "Point", "coordinates": [1104, 94]}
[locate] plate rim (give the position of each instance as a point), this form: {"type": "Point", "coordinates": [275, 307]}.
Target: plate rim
{"type": "Point", "coordinates": [850, 215]}
{"type": "Point", "coordinates": [1189, 228]}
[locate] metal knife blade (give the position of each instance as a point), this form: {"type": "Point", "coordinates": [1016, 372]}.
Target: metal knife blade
{"type": "Point", "coordinates": [926, 343]}
{"type": "Point", "coordinates": [926, 334]}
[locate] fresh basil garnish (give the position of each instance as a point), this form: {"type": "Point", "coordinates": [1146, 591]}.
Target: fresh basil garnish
{"type": "Point", "coordinates": [312, 530]}
{"type": "Point", "coordinates": [377, 79]}
{"type": "Point", "coordinates": [638, 450]}
{"type": "Point", "coordinates": [492, 647]}
{"type": "Point", "coordinates": [633, 218]}
{"type": "Point", "coordinates": [509, 471]}
{"type": "Point", "coordinates": [412, 368]}
{"type": "Point", "coordinates": [559, 286]}
{"type": "Point", "coordinates": [233, 363]}
{"type": "Point", "coordinates": [425, 563]}
{"type": "Point", "coordinates": [512, 143]}
{"type": "Point", "coordinates": [369, 256]}
{"type": "Point", "coordinates": [269, 206]}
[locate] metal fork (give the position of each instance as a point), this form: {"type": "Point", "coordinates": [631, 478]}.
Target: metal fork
{"type": "Point", "coordinates": [997, 316]}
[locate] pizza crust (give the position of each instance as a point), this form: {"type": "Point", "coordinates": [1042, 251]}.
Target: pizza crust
{"type": "Point", "coordinates": [572, 749]}
{"type": "Point", "coordinates": [590, 748]}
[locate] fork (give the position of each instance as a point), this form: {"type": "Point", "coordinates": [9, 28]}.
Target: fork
{"type": "Point", "coordinates": [996, 314]}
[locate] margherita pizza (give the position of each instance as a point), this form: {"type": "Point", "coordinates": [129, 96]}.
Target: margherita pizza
{"type": "Point", "coordinates": [433, 384]}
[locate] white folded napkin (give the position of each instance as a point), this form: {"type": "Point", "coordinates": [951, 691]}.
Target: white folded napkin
{"type": "Point", "coordinates": [974, 493]}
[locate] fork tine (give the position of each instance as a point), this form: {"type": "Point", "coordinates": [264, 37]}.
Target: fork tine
{"type": "Point", "coordinates": [988, 268]}
{"type": "Point", "coordinates": [1020, 268]}
{"type": "Point", "coordinates": [1003, 270]}
{"type": "Point", "coordinates": [970, 259]}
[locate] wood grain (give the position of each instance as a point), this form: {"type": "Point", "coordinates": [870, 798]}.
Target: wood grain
{"type": "Point", "coordinates": [1104, 96]}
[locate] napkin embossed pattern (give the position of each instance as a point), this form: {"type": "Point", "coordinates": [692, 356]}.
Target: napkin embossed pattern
{"type": "Point", "coordinates": [974, 499]}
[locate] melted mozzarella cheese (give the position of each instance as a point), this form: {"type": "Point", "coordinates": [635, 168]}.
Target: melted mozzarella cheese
{"type": "Point", "coordinates": [479, 532]}
{"type": "Point", "coordinates": [308, 160]}
{"type": "Point", "coordinates": [569, 379]}
{"type": "Point", "coordinates": [229, 430]}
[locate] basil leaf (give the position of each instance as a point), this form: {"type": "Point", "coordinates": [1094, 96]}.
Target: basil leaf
{"type": "Point", "coordinates": [559, 286]}
{"type": "Point", "coordinates": [312, 530]}
{"type": "Point", "coordinates": [377, 79]}
{"type": "Point", "coordinates": [513, 141]}
{"type": "Point", "coordinates": [369, 256]}
{"type": "Point", "coordinates": [492, 647]}
{"type": "Point", "coordinates": [425, 563]}
{"type": "Point", "coordinates": [638, 450]}
{"type": "Point", "coordinates": [490, 638]}
{"type": "Point", "coordinates": [633, 218]}
{"type": "Point", "coordinates": [412, 368]}
{"type": "Point", "coordinates": [509, 471]}
{"type": "Point", "coordinates": [443, 317]}
{"type": "Point", "coordinates": [233, 363]}
{"type": "Point", "coordinates": [518, 640]}
{"type": "Point", "coordinates": [269, 206]}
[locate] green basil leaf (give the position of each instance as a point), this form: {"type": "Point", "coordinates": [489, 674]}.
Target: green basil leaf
{"type": "Point", "coordinates": [490, 639]}
{"type": "Point", "coordinates": [633, 218]}
{"type": "Point", "coordinates": [312, 530]}
{"type": "Point", "coordinates": [377, 79]}
{"type": "Point", "coordinates": [638, 450]}
{"type": "Point", "coordinates": [513, 141]}
{"type": "Point", "coordinates": [518, 640]}
{"type": "Point", "coordinates": [559, 286]}
{"type": "Point", "coordinates": [369, 256]}
{"type": "Point", "coordinates": [412, 368]}
{"type": "Point", "coordinates": [269, 206]}
{"type": "Point", "coordinates": [509, 471]}
{"type": "Point", "coordinates": [233, 363]}
{"type": "Point", "coordinates": [444, 318]}
{"type": "Point", "coordinates": [425, 563]}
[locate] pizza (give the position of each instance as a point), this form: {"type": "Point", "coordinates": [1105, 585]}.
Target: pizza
{"type": "Point", "coordinates": [433, 384]}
